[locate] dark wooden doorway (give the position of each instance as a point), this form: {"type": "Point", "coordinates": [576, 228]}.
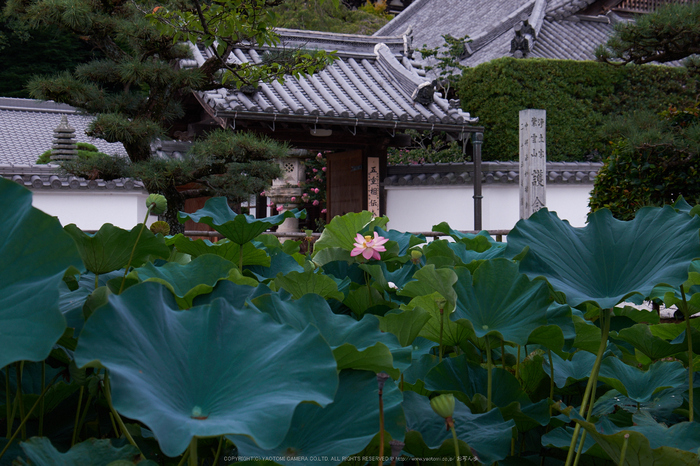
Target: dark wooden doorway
{"type": "Point", "coordinates": [345, 189]}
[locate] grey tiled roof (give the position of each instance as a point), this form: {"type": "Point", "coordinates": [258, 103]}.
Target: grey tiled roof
{"type": "Point", "coordinates": [40, 177]}
{"type": "Point", "coordinates": [447, 174]}
{"type": "Point", "coordinates": [571, 40]}
{"type": "Point", "coordinates": [26, 129]}
{"type": "Point", "coordinates": [366, 86]}
{"type": "Point", "coordinates": [563, 33]}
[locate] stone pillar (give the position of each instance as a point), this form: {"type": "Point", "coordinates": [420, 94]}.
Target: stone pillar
{"type": "Point", "coordinates": [64, 145]}
{"type": "Point", "coordinates": [286, 187]}
{"type": "Point", "coordinates": [533, 161]}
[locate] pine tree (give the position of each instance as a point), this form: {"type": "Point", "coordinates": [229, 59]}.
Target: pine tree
{"type": "Point", "coordinates": [136, 90]}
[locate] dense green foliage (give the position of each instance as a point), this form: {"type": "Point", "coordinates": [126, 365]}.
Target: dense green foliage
{"type": "Point", "coordinates": [329, 16]}
{"type": "Point", "coordinates": [579, 98]}
{"type": "Point", "coordinates": [85, 151]}
{"type": "Point", "coordinates": [654, 161]}
{"type": "Point", "coordinates": [670, 33]}
{"type": "Point", "coordinates": [127, 347]}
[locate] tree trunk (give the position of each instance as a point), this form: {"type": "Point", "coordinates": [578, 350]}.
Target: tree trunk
{"type": "Point", "coordinates": [176, 203]}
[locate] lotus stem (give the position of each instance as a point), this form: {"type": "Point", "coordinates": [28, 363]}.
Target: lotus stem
{"type": "Point", "coordinates": [19, 366]}
{"type": "Point", "coordinates": [381, 380]}
{"type": "Point", "coordinates": [8, 409]}
{"type": "Point", "coordinates": [689, 337]}
{"type": "Point", "coordinates": [133, 250]}
{"type": "Point", "coordinates": [454, 439]}
{"type": "Point", "coordinates": [489, 365]}
{"type": "Point", "coordinates": [442, 324]}
{"type": "Point", "coordinates": [218, 450]}
{"type": "Point", "coordinates": [108, 396]}
{"type": "Point", "coordinates": [193, 452]}
{"type": "Point", "coordinates": [85, 410]}
{"type": "Point", "coordinates": [77, 415]}
{"type": "Point", "coordinates": [26, 418]}
{"type": "Point", "coordinates": [624, 450]}
{"type": "Point", "coordinates": [184, 457]}
{"type": "Point", "coordinates": [551, 381]}
{"type": "Point", "coordinates": [592, 381]}
{"type": "Point", "coordinates": [41, 405]}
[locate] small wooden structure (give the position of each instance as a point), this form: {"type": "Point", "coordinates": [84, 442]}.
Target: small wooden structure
{"type": "Point", "coordinates": [354, 110]}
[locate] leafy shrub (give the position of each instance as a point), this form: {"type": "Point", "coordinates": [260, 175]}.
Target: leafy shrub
{"type": "Point", "coordinates": [85, 151]}
{"type": "Point", "coordinates": [317, 15]}
{"type": "Point", "coordinates": [579, 97]}
{"type": "Point", "coordinates": [654, 160]}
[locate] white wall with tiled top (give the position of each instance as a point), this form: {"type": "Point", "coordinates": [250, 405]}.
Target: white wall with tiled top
{"type": "Point", "coordinates": [416, 208]}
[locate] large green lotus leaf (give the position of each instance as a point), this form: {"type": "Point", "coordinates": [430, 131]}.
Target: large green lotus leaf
{"type": "Point", "coordinates": [302, 283]}
{"type": "Point", "coordinates": [453, 334]}
{"type": "Point", "coordinates": [247, 254]}
{"type": "Point", "coordinates": [367, 300]}
{"type": "Point", "coordinates": [342, 428]}
{"type": "Point", "coordinates": [34, 254]}
{"type": "Point", "coordinates": [239, 228]}
{"type": "Point", "coordinates": [93, 452]}
{"type": "Point", "coordinates": [405, 240]}
{"type": "Point", "coordinates": [661, 406]}
{"type": "Point", "coordinates": [279, 264]}
{"type": "Point", "coordinates": [608, 259]}
{"type": "Point", "coordinates": [235, 293]}
{"type": "Point", "coordinates": [488, 435]}
{"type": "Point", "coordinates": [683, 435]}
{"type": "Point", "coordinates": [479, 242]}
{"type": "Point", "coordinates": [342, 230]}
{"type": "Point", "coordinates": [639, 450]}
{"type": "Point", "coordinates": [498, 299]}
{"type": "Point", "coordinates": [467, 380]}
{"type": "Point", "coordinates": [188, 281]}
{"type": "Point", "coordinates": [641, 338]}
{"type": "Point", "coordinates": [110, 248]}
{"type": "Point", "coordinates": [356, 344]}
{"type": "Point", "coordinates": [429, 280]}
{"type": "Point", "coordinates": [641, 385]}
{"type": "Point", "coordinates": [405, 324]}
{"type": "Point", "coordinates": [568, 372]}
{"type": "Point", "coordinates": [208, 371]}
{"type": "Point", "coordinates": [561, 438]}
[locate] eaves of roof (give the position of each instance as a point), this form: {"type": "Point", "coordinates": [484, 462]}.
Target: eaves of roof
{"type": "Point", "coordinates": [362, 90]}
{"type": "Point", "coordinates": [47, 177]}
{"type": "Point", "coordinates": [456, 174]}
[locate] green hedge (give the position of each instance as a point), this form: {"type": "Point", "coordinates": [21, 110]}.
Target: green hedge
{"type": "Point", "coordinates": [579, 97]}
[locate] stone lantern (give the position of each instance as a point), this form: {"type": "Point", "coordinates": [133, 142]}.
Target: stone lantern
{"type": "Point", "coordinates": [64, 145]}
{"type": "Point", "coordinates": [287, 186]}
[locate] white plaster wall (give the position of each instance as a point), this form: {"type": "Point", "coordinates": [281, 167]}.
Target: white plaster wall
{"type": "Point", "coordinates": [90, 210]}
{"type": "Point", "coordinates": [419, 208]}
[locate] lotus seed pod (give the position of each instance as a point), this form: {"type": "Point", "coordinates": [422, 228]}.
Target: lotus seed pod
{"type": "Point", "coordinates": [157, 203]}
{"type": "Point", "coordinates": [160, 227]}
{"type": "Point", "coordinates": [416, 254]}
{"type": "Point", "coordinates": [443, 405]}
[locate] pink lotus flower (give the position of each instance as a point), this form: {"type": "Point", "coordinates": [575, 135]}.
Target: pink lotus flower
{"type": "Point", "coordinates": [315, 202]}
{"type": "Point", "coordinates": [369, 247]}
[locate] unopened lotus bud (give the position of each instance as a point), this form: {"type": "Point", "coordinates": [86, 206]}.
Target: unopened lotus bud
{"type": "Point", "coordinates": [443, 405]}
{"type": "Point", "coordinates": [157, 203]}
{"type": "Point", "coordinates": [396, 449]}
{"type": "Point", "coordinates": [381, 379]}
{"type": "Point", "coordinates": [416, 255]}
{"type": "Point", "coordinates": [160, 227]}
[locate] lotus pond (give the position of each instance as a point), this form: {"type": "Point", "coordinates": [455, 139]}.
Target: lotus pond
{"type": "Point", "coordinates": [129, 347]}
